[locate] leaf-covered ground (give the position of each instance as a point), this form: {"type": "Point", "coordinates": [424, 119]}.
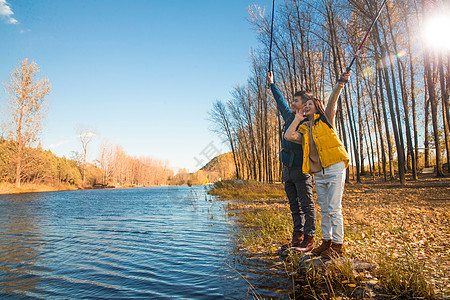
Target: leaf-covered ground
{"type": "Point", "coordinates": [404, 225]}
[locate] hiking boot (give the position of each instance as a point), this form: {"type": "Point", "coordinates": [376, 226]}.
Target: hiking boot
{"type": "Point", "coordinates": [324, 246]}
{"type": "Point", "coordinates": [306, 245]}
{"type": "Point", "coordinates": [333, 251]}
{"type": "Point", "coordinates": [297, 238]}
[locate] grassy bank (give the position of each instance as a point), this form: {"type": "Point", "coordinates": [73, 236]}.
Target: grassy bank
{"type": "Point", "coordinates": [404, 231]}
{"type": "Point", "coordinates": [247, 190]}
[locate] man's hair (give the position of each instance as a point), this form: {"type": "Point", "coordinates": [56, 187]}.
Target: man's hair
{"type": "Point", "coordinates": [308, 95]}
{"type": "Point", "coordinates": [304, 95]}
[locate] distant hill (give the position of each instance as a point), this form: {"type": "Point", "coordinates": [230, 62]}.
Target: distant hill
{"type": "Point", "coordinates": [220, 167]}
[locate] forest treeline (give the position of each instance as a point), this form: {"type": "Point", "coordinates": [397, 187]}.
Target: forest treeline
{"type": "Point", "coordinates": [40, 167]}
{"type": "Point", "coordinates": [112, 168]}
{"type": "Point", "coordinates": [118, 168]}
{"type": "Point", "coordinates": [22, 159]}
{"type": "Point", "coordinates": [393, 114]}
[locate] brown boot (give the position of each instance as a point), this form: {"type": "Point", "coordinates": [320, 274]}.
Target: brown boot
{"type": "Point", "coordinates": [297, 239]}
{"type": "Point", "coordinates": [306, 245]}
{"type": "Point", "coordinates": [334, 251]}
{"type": "Point", "coordinates": [324, 246]}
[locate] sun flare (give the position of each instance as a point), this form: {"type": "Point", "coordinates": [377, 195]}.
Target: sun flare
{"type": "Point", "coordinates": [436, 32]}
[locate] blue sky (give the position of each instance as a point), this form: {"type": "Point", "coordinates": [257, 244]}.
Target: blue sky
{"type": "Point", "coordinates": [142, 73]}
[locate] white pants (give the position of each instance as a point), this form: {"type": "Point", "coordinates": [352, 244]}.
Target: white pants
{"type": "Point", "coordinates": [330, 187]}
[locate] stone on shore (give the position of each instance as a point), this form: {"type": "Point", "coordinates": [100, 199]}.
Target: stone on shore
{"type": "Point", "coordinates": [309, 262]}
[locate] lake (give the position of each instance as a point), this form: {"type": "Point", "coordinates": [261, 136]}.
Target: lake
{"type": "Point", "coordinates": [150, 243]}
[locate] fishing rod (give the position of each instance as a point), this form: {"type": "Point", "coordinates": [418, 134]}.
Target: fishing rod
{"type": "Point", "coordinates": [364, 39]}
{"type": "Point", "coordinates": [271, 37]}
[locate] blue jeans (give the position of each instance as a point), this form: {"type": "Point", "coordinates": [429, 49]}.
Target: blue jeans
{"type": "Point", "coordinates": [298, 187]}
{"type": "Point", "coordinates": [330, 187]}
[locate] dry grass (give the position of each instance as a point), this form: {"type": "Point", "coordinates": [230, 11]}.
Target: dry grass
{"type": "Point", "coordinates": [403, 230]}
{"type": "Point", "coordinates": [247, 190]}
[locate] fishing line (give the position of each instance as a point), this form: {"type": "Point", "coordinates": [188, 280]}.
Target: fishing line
{"type": "Point", "coordinates": [271, 37]}
{"type": "Point", "coordinates": [363, 40]}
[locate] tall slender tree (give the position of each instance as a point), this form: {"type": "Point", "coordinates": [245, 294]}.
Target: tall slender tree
{"type": "Point", "coordinates": [86, 136]}
{"type": "Point", "coordinates": [26, 110]}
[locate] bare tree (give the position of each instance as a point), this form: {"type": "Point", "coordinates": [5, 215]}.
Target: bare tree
{"type": "Point", "coordinates": [26, 110]}
{"type": "Point", "coordinates": [105, 160]}
{"type": "Point", "coordinates": [86, 136]}
{"type": "Point", "coordinates": [220, 119]}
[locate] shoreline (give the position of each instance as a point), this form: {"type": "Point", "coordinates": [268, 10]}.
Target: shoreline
{"type": "Point", "coordinates": [10, 189]}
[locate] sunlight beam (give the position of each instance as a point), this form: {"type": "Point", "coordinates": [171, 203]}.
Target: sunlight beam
{"type": "Point", "coordinates": [436, 32]}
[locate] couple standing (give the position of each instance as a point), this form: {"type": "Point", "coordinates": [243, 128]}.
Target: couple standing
{"type": "Point", "coordinates": [311, 146]}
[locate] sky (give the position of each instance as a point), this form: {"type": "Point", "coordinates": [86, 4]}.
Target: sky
{"type": "Point", "coordinates": [142, 74]}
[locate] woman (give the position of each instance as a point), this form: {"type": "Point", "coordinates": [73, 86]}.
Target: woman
{"type": "Point", "coordinates": [325, 156]}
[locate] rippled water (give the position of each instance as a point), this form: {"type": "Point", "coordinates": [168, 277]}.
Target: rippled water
{"type": "Point", "coordinates": [151, 243]}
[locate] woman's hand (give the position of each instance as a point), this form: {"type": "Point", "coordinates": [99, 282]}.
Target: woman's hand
{"type": "Point", "coordinates": [291, 133]}
{"type": "Point", "coordinates": [300, 115]}
{"type": "Point", "coordinates": [344, 78]}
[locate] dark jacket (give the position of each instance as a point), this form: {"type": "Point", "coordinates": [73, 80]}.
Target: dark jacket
{"type": "Point", "coordinates": [291, 154]}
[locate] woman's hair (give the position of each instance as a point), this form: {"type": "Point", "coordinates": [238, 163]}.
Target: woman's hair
{"type": "Point", "coordinates": [308, 95]}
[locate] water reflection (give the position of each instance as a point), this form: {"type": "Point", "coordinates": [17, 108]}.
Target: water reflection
{"type": "Point", "coordinates": [21, 243]}
{"type": "Point", "coordinates": [266, 276]}
{"type": "Point", "coordinates": [168, 242]}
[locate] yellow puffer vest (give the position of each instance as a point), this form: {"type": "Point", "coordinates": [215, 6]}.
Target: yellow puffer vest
{"type": "Point", "coordinates": [329, 146]}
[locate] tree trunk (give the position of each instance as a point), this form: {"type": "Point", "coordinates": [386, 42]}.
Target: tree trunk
{"type": "Point", "coordinates": [400, 155]}
{"type": "Point", "coordinates": [19, 144]}
{"type": "Point", "coordinates": [426, 133]}
{"type": "Point", "coordinates": [415, 149]}
{"type": "Point", "coordinates": [18, 165]}
{"type": "Point", "coordinates": [433, 103]}
{"type": "Point", "coordinates": [445, 107]}
{"type": "Point", "coordinates": [395, 97]}
{"type": "Point", "coordinates": [360, 123]}
{"type": "Point", "coordinates": [407, 123]}
{"type": "Point", "coordinates": [352, 129]}
{"type": "Point", "coordinates": [379, 128]}
{"type": "Point", "coordinates": [370, 156]}
{"type": "Point", "coordinates": [386, 127]}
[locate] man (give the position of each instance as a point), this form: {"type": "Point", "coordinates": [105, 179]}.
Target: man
{"type": "Point", "coordinates": [298, 186]}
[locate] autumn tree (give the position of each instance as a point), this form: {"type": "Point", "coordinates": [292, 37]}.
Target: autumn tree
{"type": "Point", "coordinates": [26, 111]}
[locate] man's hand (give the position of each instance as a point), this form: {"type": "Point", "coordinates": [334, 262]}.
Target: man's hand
{"type": "Point", "coordinates": [270, 77]}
